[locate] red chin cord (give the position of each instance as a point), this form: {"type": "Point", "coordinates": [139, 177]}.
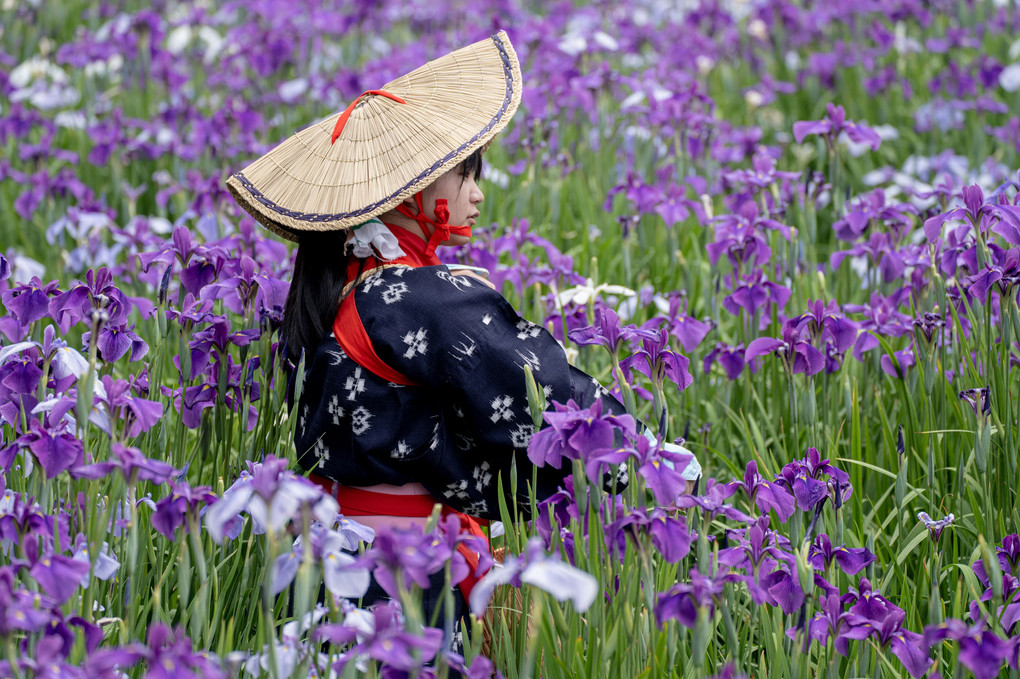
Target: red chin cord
{"type": "Point", "coordinates": [442, 228]}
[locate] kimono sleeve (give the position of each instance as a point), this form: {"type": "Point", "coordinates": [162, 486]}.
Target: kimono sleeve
{"type": "Point", "coordinates": [468, 343]}
{"type": "Point", "coordinates": [456, 333]}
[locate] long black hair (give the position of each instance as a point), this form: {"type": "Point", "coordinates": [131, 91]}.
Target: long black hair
{"type": "Point", "coordinates": [320, 273]}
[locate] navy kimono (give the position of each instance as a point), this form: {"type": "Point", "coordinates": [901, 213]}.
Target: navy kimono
{"type": "Point", "coordinates": [458, 428]}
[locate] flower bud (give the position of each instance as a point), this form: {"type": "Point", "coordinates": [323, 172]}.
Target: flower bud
{"type": "Point", "coordinates": [805, 571]}
{"type": "Point", "coordinates": [536, 397]}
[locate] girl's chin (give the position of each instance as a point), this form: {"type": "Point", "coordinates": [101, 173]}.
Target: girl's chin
{"type": "Point", "coordinates": [456, 239]}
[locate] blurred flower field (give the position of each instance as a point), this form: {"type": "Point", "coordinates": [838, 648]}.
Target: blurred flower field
{"type": "Point", "coordinates": [787, 232]}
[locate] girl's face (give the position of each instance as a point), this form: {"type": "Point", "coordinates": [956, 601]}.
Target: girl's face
{"type": "Point", "coordinates": [462, 196]}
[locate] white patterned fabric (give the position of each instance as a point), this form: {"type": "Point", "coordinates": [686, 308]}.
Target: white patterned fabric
{"type": "Point", "coordinates": [374, 239]}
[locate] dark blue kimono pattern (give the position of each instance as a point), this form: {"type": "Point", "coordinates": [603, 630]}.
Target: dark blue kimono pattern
{"type": "Point", "coordinates": [466, 418]}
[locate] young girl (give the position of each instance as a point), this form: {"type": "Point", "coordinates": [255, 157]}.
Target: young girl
{"type": "Point", "coordinates": [414, 384]}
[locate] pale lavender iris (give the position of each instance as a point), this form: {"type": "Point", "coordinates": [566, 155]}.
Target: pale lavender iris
{"type": "Point", "coordinates": [934, 527]}
{"type": "Point", "coordinates": [535, 567]}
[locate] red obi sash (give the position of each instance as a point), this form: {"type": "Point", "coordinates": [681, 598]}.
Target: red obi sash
{"type": "Point", "coordinates": [359, 502]}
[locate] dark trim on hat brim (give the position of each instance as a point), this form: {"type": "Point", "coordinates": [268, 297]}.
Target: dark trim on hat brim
{"type": "Point", "coordinates": [316, 217]}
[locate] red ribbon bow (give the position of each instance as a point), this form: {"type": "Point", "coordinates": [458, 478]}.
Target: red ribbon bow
{"type": "Point", "coordinates": [350, 109]}
{"type": "Point", "coordinates": [443, 229]}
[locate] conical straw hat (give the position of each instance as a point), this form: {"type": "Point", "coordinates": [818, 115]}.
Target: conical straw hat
{"type": "Point", "coordinates": [386, 150]}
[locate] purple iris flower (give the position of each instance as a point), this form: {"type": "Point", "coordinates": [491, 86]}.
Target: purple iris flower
{"type": "Point", "coordinates": [556, 511]}
{"type": "Point", "coordinates": [577, 433]}
{"type": "Point", "coordinates": [683, 601]}
{"type": "Point", "coordinates": [136, 467]}
{"type": "Point", "coordinates": [5, 268]}
{"type": "Point", "coordinates": [59, 576]}
{"type": "Point", "coordinates": [762, 174]}
{"type": "Point", "coordinates": [850, 559]}
{"type": "Point", "coordinates": [832, 125]}
{"type": "Point", "coordinates": [218, 336]}
{"type": "Point", "coordinates": [608, 332]}
{"type": "Point", "coordinates": [829, 621]}
{"type": "Point", "coordinates": [168, 654]}
{"type": "Point", "coordinates": [765, 494]}
{"type": "Point", "coordinates": [797, 353]}
{"type": "Point", "coordinates": [976, 211]}
{"type": "Point", "coordinates": [802, 478]}
{"type": "Point", "coordinates": [21, 609]}
{"type": "Point", "coordinates": [644, 197]}
{"type": "Point", "coordinates": [754, 294]}
{"type": "Point", "coordinates": [872, 209]}
{"type": "Point", "coordinates": [238, 291]}
{"type": "Point", "coordinates": [758, 550]}
{"type": "Point", "coordinates": [881, 317]}
{"type": "Point", "coordinates": [670, 535]}
{"type": "Point", "coordinates": [181, 507]}
{"type": "Point", "coordinates": [661, 470]}
{"type": "Point", "coordinates": [48, 658]}
{"type": "Point", "coordinates": [381, 636]}
{"type": "Point", "coordinates": [409, 555]}
{"type": "Point", "coordinates": [1004, 274]}
{"type": "Point", "coordinates": [676, 206]}
{"type": "Point", "coordinates": [480, 668]}
{"type": "Point", "coordinates": [742, 244]}
{"type": "Point", "coordinates": [97, 292]}
{"type": "Point", "coordinates": [731, 358]}
{"type": "Point", "coordinates": [55, 451]}
{"type": "Point", "coordinates": [199, 264]}
{"type": "Point", "coordinates": [30, 301]}
{"type": "Point", "coordinates": [826, 323]}
{"type": "Point", "coordinates": [888, 632]}
{"type": "Point", "coordinates": [1009, 612]}
{"type": "Point", "coordinates": [897, 364]}
{"type": "Point", "coordinates": [883, 250]}
{"type": "Point", "coordinates": [712, 502]}
{"type": "Point", "coordinates": [783, 588]}
{"type": "Point", "coordinates": [981, 651]}
{"type": "Point", "coordinates": [114, 342]}
{"type": "Point", "coordinates": [1009, 554]}
{"type": "Point", "coordinates": [657, 361]}
{"type": "Point", "coordinates": [133, 414]}
{"type": "Point", "coordinates": [688, 331]}
{"type": "Point", "coordinates": [979, 399]}
{"type": "Point", "coordinates": [109, 663]}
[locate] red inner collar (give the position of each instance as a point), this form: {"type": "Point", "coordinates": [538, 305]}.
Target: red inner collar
{"type": "Point", "coordinates": [414, 246]}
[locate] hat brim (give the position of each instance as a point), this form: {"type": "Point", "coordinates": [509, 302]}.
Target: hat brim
{"type": "Point", "coordinates": [387, 151]}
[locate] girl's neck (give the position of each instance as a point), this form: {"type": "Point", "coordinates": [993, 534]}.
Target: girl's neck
{"type": "Point", "coordinates": [397, 219]}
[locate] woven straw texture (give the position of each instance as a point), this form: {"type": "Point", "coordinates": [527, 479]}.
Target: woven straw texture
{"type": "Point", "coordinates": [388, 151]}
